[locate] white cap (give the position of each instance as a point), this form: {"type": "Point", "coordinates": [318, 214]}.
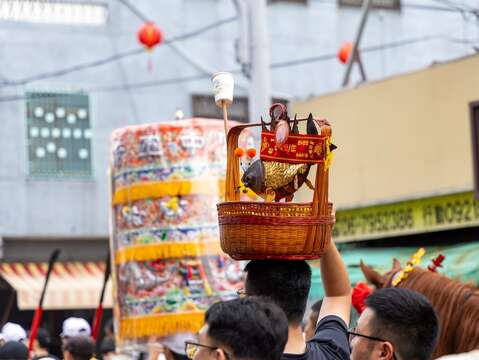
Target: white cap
{"type": "Point", "coordinates": [13, 332]}
{"type": "Point", "coordinates": [75, 327]}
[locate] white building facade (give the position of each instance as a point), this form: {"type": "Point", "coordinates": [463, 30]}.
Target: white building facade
{"type": "Point", "coordinates": [56, 120]}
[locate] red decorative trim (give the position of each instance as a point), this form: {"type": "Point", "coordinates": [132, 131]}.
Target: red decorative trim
{"type": "Point", "coordinates": [70, 269]}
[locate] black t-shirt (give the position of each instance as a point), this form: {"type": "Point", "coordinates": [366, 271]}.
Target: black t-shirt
{"type": "Point", "coordinates": [329, 342]}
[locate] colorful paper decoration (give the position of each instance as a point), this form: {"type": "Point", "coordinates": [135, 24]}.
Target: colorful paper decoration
{"type": "Point", "coordinates": [166, 180]}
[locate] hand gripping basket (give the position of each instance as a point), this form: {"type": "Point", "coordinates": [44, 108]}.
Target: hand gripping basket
{"type": "Point", "coordinates": [275, 230]}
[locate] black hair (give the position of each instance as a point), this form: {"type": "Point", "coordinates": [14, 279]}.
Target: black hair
{"type": "Point", "coordinates": [14, 350]}
{"type": "Point", "coordinates": [405, 318]}
{"type": "Point", "coordinates": [80, 347]}
{"type": "Point", "coordinates": [250, 328]}
{"type": "Point", "coordinates": [287, 283]}
{"type": "Point", "coordinates": [108, 328]}
{"type": "Point", "coordinates": [43, 338]}
{"type": "Point", "coordinates": [316, 307]}
{"type": "Point", "coordinates": [107, 345]}
{"type": "Point", "coordinates": [314, 315]}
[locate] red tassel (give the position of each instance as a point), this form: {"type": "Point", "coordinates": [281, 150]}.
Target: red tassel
{"type": "Point", "coordinates": [437, 262]}
{"type": "Point", "coordinates": [150, 63]}
{"type": "Point", "coordinates": [190, 272]}
{"type": "Point", "coordinates": [97, 322]}
{"type": "Point", "coordinates": [360, 292]}
{"type": "Point", "coordinates": [37, 318]}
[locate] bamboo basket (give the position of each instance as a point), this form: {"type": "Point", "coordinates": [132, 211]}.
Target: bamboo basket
{"type": "Point", "coordinates": [274, 230]}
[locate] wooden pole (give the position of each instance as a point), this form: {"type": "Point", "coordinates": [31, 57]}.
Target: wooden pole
{"type": "Point", "coordinates": [225, 117]}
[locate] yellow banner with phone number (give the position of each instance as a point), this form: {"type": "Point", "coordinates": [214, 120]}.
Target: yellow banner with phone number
{"type": "Point", "coordinates": [407, 217]}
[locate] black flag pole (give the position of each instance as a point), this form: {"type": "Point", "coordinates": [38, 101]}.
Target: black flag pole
{"type": "Point", "coordinates": [37, 318]}
{"type": "Point", "coordinates": [99, 309]}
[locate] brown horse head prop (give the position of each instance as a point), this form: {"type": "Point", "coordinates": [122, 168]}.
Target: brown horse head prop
{"type": "Point", "coordinates": [375, 278]}
{"type": "Point", "coordinates": [456, 305]}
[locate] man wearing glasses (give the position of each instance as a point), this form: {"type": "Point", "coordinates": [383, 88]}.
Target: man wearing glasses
{"type": "Point", "coordinates": [246, 328]}
{"type": "Point", "coordinates": [397, 324]}
{"type": "Point", "coordinates": [287, 283]}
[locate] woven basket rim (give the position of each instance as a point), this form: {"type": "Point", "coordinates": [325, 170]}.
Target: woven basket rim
{"type": "Point", "coordinates": [253, 219]}
{"type": "Point", "coordinates": [268, 204]}
{"type": "Point", "coordinates": [239, 257]}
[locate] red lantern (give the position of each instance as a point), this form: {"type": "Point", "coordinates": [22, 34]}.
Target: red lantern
{"type": "Point", "coordinates": [149, 35]}
{"type": "Point", "coordinates": [345, 52]}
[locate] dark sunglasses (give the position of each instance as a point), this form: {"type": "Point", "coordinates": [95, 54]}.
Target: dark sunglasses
{"type": "Point", "coordinates": [352, 333]}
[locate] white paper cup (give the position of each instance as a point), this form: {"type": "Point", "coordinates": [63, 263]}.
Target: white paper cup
{"type": "Point", "coordinates": [223, 85]}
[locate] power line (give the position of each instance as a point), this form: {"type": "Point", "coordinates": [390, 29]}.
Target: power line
{"type": "Point", "coordinates": [447, 6]}
{"type": "Point", "coordinates": [185, 36]}
{"type": "Point", "coordinates": [427, 7]}
{"type": "Point", "coordinates": [134, 10]}
{"type": "Point", "coordinates": [202, 30]}
{"type": "Point", "coordinates": [456, 7]}
{"type": "Point", "coordinates": [74, 68]}
{"type": "Point", "coordinates": [404, 5]}
{"type": "Point", "coordinates": [277, 65]}
{"type": "Point", "coordinates": [180, 52]}
{"type": "Point", "coordinates": [366, 49]}
{"type": "Point", "coordinates": [152, 83]}
{"type": "Point", "coordinates": [140, 50]}
{"type": "Point", "coordinates": [112, 58]}
{"type": "Point", "coordinates": [123, 87]}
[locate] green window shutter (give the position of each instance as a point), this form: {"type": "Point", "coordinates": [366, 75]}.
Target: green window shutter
{"type": "Point", "coordinates": [59, 134]}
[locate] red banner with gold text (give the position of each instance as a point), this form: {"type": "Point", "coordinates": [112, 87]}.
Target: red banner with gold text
{"type": "Point", "coordinates": [298, 149]}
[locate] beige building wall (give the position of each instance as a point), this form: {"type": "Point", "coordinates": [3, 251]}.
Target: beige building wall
{"type": "Point", "coordinates": [403, 137]}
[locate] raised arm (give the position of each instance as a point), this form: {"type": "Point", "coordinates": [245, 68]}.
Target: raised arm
{"type": "Point", "coordinates": [337, 289]}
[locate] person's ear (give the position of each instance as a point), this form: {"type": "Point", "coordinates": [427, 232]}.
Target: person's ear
{"type": "Point", "coordinates": [220, 354]}
{"type": "Point", "coordinates": [387, 351]}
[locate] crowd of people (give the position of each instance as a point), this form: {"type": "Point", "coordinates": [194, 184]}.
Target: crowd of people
{"type": "Point", "coordinates": [77, 343]}
{"type": "Point", "coordinates": [266, 323]}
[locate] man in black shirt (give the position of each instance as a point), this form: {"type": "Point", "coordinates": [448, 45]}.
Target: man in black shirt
{"type": "Point", "coordinates": [397, 324]}
{"type": "Point", "coordinates": [249, 328]}
{"type": "Point", "coordinates": [41, 346]}
{"type": "Point", "coordinates": [78, 348]}
{"type": "Point", "coordinates": [287, 283]}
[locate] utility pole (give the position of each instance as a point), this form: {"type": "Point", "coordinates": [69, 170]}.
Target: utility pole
{"type": "Point", "coordinates": [259, 71]}
{"type": "Point", "coordinates": [354, 56]}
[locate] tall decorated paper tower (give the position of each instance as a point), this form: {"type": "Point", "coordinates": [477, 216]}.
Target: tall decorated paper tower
{"type": "Point", "coordinates": [166, 179]}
